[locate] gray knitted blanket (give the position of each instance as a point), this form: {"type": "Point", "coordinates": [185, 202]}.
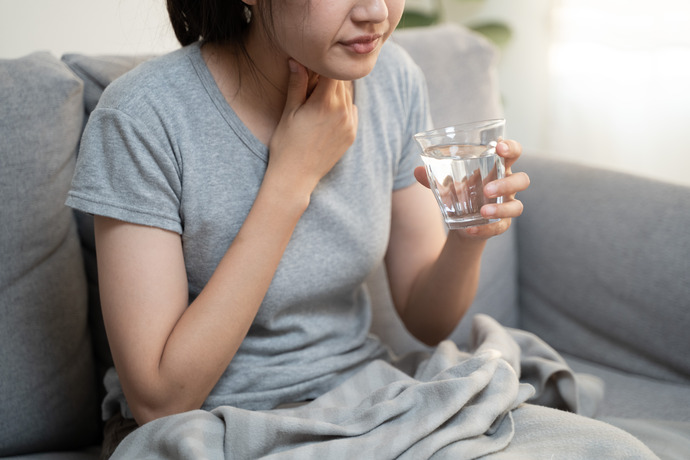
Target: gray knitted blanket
{"type": "Point", "coordinates": [490, 401]}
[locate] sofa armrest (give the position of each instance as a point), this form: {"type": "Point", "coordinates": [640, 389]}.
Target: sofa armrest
{"type": "Point", "coordinates": [604, 267]}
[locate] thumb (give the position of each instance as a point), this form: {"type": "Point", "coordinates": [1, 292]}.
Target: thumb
{"type": "Point", "coordinates": [420, 175]}
{"type": "Point", "coordinates": [297, 86]}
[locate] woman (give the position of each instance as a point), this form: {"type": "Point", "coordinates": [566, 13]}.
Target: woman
{"type": "Point", "coordinates": [244, 186]}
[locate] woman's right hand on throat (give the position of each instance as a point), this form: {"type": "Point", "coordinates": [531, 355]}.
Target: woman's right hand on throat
{"type": "Point", "coordinates": [316, 128]}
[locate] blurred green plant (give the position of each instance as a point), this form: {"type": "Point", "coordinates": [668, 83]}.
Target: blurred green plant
{"type": "Point", "coordinates": [431, 12]}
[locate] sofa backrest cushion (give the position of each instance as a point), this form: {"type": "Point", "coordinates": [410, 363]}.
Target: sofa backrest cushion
{"type": "Point", "coordinates": [604, 254]}
{"type": "Point", "coordinates": [460, 69]}
{"type": "Point", "coordinates": [48, 387]}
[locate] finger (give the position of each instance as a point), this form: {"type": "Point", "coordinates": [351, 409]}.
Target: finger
{"type": "Point", "coordinates": [489, 230]}
{"type": "Point", "coordinates": [344, 94]}
{"type": "Point", "coordinates": [507, 186]}
{"type": "Point", "coordinates": [420, 175]}
{"type": "Point", "coordinates": [325, 87]}
{"type": "Point", "coordinates": [355, 116]}
{"type": "Point", "coordinates": [510, 150]}
{"type": "Point", "coordinates": [297, 86]}
{"type": "Point", "coordinates": [512, 208]}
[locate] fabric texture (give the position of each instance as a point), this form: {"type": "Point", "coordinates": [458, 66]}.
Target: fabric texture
{"type": "Point", "coordinates": [583, 293]}
{"type": "Point", "coordinates": [454, 405]}
{"type": "Point", "coordinates": [163, 148]}
{"type": "Point", "coordinates": [49, 398]}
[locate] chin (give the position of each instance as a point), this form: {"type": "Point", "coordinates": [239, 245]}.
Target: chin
{"type": "Point", "coordinates": [353, 69]}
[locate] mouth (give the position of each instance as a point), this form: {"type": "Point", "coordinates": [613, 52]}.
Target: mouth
{"type": "Point", "coordinates": [363, 44]}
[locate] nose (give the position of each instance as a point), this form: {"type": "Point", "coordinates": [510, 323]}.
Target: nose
{"type": "Point", "coordinates": [370, 11]}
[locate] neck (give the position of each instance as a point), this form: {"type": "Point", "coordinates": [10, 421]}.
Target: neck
{"type": "Point", "coordinates": [255, 91]}
{"type": "Point", "coordinates": [255, 82]}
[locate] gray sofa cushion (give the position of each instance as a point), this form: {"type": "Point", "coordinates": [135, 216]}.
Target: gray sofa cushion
{"type": "Point", "coordinates": [460, 69]}
{"type": "Point", "coordinates": [663, 400]}
{"type": "Point", "coordinates": [49, 396]}
{"type": "Point", "coordinates": [586, 283]}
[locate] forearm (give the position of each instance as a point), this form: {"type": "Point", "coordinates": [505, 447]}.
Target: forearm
{"type": "Point", "coordinates": [207, 335]}
{"type": "Point", "coordinates": [444, 290]}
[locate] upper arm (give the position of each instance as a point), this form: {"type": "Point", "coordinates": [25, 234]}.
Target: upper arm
{"type": "Point", "coordinates": [416, 239]}
{"type": "Point", "coordinates": [143, 287]}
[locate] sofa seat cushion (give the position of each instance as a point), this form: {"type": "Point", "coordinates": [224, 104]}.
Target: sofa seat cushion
{"type": "Point", "coordinates": [629, 395]}
{"type": "Point", "coordinates": [90, 453]}
{"type": "Point", "coordinates": [654, 411]}
{"type": "Point", "coordinates": [49, 396]}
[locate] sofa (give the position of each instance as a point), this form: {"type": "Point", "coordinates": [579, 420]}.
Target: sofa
{"type": "Point", "coordinates": [598, 266]}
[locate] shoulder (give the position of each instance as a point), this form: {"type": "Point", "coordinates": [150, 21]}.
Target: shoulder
{"type": "Point", "coordinates": [152, 82]}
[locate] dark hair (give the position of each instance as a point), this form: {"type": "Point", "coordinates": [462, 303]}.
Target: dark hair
{"type": "Point", "coordinates": [211, 20]}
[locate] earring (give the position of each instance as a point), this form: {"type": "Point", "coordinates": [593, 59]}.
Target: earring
{"type": "Point", "coordinates": [247, 13]}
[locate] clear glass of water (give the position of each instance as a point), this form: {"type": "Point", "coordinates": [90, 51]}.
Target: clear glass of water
{"type": "Point", "coordinates": [459, 161]}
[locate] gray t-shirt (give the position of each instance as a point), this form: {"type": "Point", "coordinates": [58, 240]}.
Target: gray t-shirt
{"type": "Point", "coordinates": [163, 148]}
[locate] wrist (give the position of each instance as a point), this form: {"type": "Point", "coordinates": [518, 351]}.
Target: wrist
{"type": "Point", "coordinates": [468, 244]}
{"type": "Point", "coordinates": [286, 193]}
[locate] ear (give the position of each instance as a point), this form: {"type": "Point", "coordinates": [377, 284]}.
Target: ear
{"type": "Point", "coordinates": [249, 2]}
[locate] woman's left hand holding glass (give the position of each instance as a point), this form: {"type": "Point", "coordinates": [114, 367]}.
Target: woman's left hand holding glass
{"type": "Point", "coordinates": [506, 187]}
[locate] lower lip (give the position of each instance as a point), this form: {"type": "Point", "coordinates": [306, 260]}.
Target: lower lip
{"type": "Point", "coordinates": [363, 47]}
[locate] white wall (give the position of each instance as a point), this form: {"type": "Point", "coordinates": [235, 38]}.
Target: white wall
{"type": "Point", "coordinates": [598, 82]}
{"type": "Point", "coordinates": [84, 26]}
{"type": "Point", "coordinates": [523, 65]}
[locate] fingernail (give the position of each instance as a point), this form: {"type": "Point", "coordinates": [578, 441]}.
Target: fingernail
{"type": "Point", "coordinates": [489, 210]}
{"type": "Point", "coordinates": [293, 65]}
{"type": "Point", "coordinates": [491, 189]}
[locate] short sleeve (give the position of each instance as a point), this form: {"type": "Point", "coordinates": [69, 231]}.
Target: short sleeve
{"type": "Point", "coordinates": [126, 172]}
{"type": "Point", "coordinates": [418, 119]}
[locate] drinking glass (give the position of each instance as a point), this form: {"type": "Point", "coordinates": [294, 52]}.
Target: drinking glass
{"type": "Point", "coordinates": [459, 160]}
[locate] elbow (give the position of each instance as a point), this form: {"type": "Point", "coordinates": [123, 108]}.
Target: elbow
{"type": "Point", "coordinates": [431, 339]}
{"type": "Point", "coordinates": [430, 333]}
{"type": "Point", "coordinates": [146, 410]}
{"type": "Point", "coordinates": [428, 329]}
{"type": "Point", "coordinates": [151, 396]}
{"type": "Point", "coordinates": [145, 414]}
